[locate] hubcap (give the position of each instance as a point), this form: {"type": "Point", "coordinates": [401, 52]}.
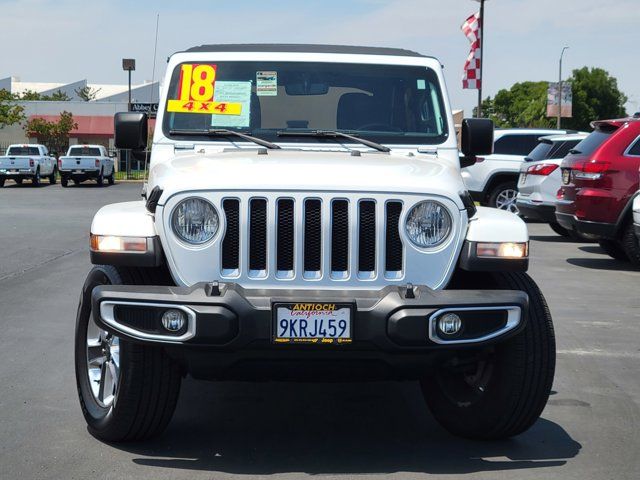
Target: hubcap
{"type": "Point", "coordinates": [506, 200]}
{"type": "Point", "coordinates": [103, 364]}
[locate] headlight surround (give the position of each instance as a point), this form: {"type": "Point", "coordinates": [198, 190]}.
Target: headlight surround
{"type": "Point", "coordinates": [195, 221]}
{"type": "Point", "coordinates": [428, 224]}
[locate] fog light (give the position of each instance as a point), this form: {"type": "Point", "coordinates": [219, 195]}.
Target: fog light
{"type": "Point", "coordinates": [173, 320]}
{"type": "Point", "coordinates": [449, 323]}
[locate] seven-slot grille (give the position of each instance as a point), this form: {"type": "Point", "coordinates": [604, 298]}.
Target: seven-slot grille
{"type": "Point", "coordinates": [312, 238]}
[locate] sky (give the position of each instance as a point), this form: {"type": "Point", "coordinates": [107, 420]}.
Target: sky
{"type": "Point", "coordinates": [69, 40]}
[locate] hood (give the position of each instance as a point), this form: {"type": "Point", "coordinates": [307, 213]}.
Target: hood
{"type": "Point", "coordinates": [295, 170]}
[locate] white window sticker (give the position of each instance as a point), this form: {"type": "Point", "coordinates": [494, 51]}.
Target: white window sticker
{"type": "Point", "coordinates": [233, 92]}
{"type": "Point", "coordinates": [267, 84]}
{"type": "Point", "coordinates": [421, 84]}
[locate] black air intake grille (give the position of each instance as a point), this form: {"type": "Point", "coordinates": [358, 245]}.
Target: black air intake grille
{"type": "Point", "coordinates": [312, 235]}
{"type": "Point", "coordinates": [367, 237]}
{"type": "Point", "coordinates": [393, 247]}
{"type": "Point", "coordinates": [340, 236]}
{"type": "Point", "coordinates": [258, 234]}
{"type": "Point", "coordinates": [231, 242]}
{"type": "Point", "coordinates": [285, 235]}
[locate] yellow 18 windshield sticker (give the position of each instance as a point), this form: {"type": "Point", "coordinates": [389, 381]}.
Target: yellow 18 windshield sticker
{"type": "Point", "coordinates": [197, 92]}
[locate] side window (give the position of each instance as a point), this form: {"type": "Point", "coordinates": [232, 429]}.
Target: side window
{"type": "Point", "coordinates": [515, 144]}
{"type": "Point", "coordinates": [635, 149]}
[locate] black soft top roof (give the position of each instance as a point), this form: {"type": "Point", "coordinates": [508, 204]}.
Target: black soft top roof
{"type": "Point", "coordinates": [301, 48]}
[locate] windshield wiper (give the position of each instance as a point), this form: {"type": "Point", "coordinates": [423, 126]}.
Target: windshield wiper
{"type": "Point", "coordinates": [332, 134]}
{"type": "Point", "coordinates": [223, 132]}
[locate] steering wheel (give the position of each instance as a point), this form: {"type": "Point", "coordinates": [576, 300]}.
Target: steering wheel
{"type": "Point", "coordinates": [379, 127]}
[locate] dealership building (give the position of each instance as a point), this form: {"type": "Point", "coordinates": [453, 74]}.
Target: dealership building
{"type": "Point", "coordinates": [94, 118]}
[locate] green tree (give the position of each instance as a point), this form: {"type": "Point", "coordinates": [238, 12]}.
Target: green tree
{"type": "Point", "coordinates": [524, 105]}
{"type": "Point", "coordinates": [10, 112]}
{"type": "Point", "coordinates": [87, 93]}
{"type": "Point", "coordinates": [55, 135]}
{"type": "Point", "coordinates": [596, 96]}
{"type": "Point", "coordinates": [57, 96]}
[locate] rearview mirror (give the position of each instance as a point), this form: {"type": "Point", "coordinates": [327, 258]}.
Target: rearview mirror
{"type": "Point", "coordinates": [477, 139]}
{"type": "Point", "coordinates": [130, 130]}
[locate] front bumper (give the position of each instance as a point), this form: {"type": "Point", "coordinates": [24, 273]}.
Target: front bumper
{"type": "Point", "coordinates": [572, 223]}
{"type": "Point", "coordinates": [229, 326]}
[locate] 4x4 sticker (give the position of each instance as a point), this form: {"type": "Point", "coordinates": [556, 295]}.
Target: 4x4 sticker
{"type": "Point", "coordinates": [196, 92]}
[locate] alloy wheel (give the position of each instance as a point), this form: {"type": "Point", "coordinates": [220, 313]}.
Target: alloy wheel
{"type": "Point", "coordinates": [506, 200]}
{"type": "Point", "coordinates": [103, 364]}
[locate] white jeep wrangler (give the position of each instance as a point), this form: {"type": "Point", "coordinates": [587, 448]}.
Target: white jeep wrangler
{"type": "Point", "coordinates": [305, 218]}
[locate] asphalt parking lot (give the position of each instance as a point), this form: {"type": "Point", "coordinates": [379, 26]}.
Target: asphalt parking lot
{"type": "Point", "coordinates": [589, 429]}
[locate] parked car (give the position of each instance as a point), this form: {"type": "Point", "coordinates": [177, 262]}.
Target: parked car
{"type": "Point", "coordinates": [84, 162]}
{"type": "Point", "coordinates": [31, 161]}
{"type": "Point", "coordinates": [493, 179]}
{"type": "Point", "coordinates": [354, 257]}
{"type": "Point", "coordinates": [540, 180]}
{"type": "Point", "coordinates": [600, 181]}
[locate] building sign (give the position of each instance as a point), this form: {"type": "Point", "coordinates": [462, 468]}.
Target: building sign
{"type": "Point", "coordinates": [552, 100]}
{"type": "Point", "coordinates": [150, 109]}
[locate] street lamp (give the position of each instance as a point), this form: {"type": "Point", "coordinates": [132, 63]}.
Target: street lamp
{"type": "Point", "coordinates": [560, 89]}
{"type": "Point", "coordinates": [129, 65]}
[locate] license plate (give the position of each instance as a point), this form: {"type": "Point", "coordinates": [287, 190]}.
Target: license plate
{"type": "Point", "coordinates": [78, 171]}
{"type": "Point", "coordinates": [315, 323]}
{"type": "Point", "coordinates": [566, 176]}
{"type": "Point", "coordinates": [523, 178]}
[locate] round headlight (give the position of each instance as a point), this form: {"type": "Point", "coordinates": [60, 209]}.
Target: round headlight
{"type": "Point", "coordinates": [195, 221]}
{"type": "Point", "coordinates": [428, 224]}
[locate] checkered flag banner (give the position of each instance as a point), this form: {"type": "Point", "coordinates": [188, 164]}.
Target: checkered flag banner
{"type": "Point", "coordinates": [471, 29]}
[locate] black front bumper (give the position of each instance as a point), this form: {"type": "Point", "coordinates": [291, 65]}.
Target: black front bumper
{"type": "Point", "coordinates": [600, 229]}
{"type": "Point", "coordinates": [233, 327]}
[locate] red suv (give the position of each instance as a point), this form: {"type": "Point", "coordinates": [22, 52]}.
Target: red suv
{"type": "Point", "coordinates": [599, 182]}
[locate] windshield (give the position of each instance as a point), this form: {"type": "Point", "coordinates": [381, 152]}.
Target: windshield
{"type": "Point", "coordinates": [382, 103]}
{"type": "Point", "coordinates": [84, 152]}
{"type": "Point", "coordinates": [23, 151]}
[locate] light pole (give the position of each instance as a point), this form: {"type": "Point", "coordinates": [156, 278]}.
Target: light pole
{"type": "Point", "coordinates": [559, 121]}
{"type": "Point", "coordinates": [129, 65]}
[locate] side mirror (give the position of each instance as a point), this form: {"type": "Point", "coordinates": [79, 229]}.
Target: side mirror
{"type": "Point", "coordinates": [477, 139]}
{"type": "Point", "coordinates": [130, 130]}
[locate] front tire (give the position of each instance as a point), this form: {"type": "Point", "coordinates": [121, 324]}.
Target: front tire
{"type": "Point", "coordinates": [127, 391]}
{"type": "Point", "coordinates": [504, 196]}
{"type": "Point", "coordinates": [500, 391]}
{"type": "Point", "coordinates": [112, 177]}
{"type": "Point", "coordinates": [614, 249]}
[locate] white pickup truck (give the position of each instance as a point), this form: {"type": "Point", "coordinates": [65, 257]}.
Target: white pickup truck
{"type": "Point", "coordinates": [83, 162]}
{"type": "Point", "coordinates": [27, 161]}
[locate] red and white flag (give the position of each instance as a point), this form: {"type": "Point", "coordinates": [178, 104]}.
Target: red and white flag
{"type": "Point", "coordinates": [471, 28]}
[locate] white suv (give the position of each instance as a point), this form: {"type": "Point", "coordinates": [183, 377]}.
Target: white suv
{"type": "Point", "coordinates": [540, 180]}
{"type": "Point", "coordinates": [305, 219]}
{"type": "Point", "coordinates": [493, 179]}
